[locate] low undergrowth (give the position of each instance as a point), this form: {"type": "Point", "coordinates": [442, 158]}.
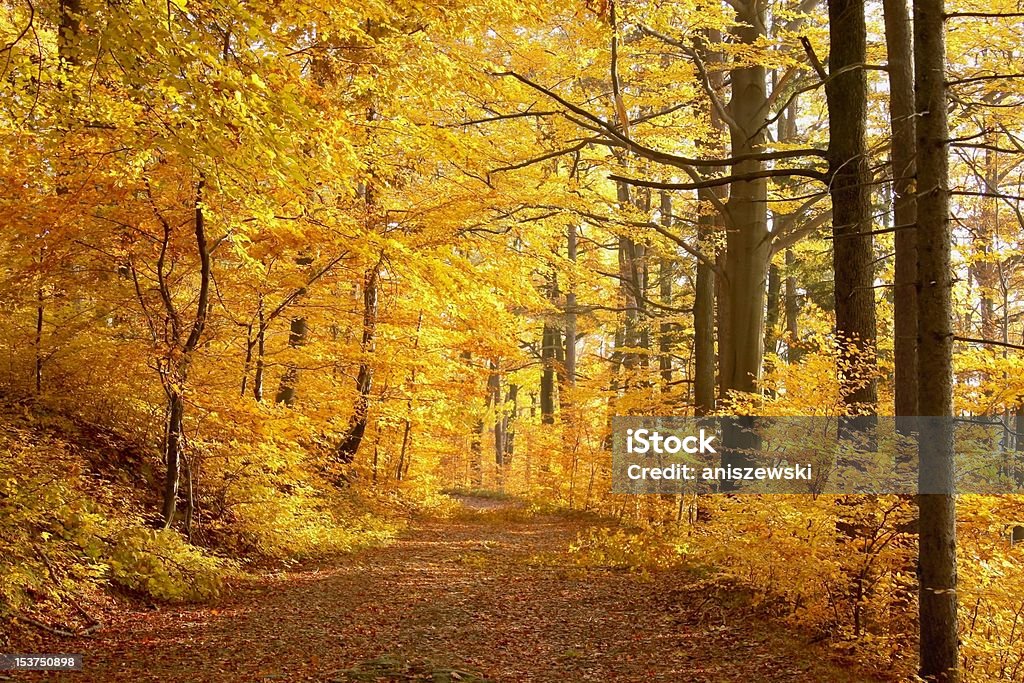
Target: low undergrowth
{"type": "Point", "coordinates": [78, 528]}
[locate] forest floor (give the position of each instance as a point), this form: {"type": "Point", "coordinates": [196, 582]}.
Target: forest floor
{"type": "Point", "coordinates": [462, 599]}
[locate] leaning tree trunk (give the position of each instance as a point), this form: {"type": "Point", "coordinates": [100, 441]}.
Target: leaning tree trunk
{"type": "Point", "coordinates": [853, 258]}
{"type": "Point", "coordinates": [937, 505]}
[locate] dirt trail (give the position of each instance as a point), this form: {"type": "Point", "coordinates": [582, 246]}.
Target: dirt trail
{"type": "Point", "coordinates": [449, 601]}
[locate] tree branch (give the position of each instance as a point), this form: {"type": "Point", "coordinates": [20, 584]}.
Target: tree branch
{"type": "Point", "coordinates": [726, 180]}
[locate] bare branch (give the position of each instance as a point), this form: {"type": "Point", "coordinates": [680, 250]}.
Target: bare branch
{"type": "Point", "coordinates": [727, 180]}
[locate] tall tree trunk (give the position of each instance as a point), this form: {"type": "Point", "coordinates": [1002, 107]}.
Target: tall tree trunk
{"type": "Point", "coordinates": [899, 45]}
{"type": "Point", "coordinates": [631, 263]}
{"type": "Point", "coordinates": [570, 312]}
{"type": "Point", "coordinates": [40, 310]}
{"type": "Point", "coordinates": [793, 349]}
{"type": "Point", "coordinates": [771, 321]}
{"type": "Point", "coordinates": [666, 276]}
{"type": "Point", "coordinates": [177, 374]}
{"type": "Point", "coordinates": [640, 272]}
{"type": "Point", "coordinates": [772, 312]}
{"type": "Point", "coordinates": [364, 380]}
{"type": "Point", "coordinates": [937, 553]}
{"type": "Point", "coordinates": [782, 224]}
{"type": "Point", "coordinates": [747, 244]}
{"type": "Point", "coordinates": [705, 282]}
{"type": "Point", "coordinates": [742, 304]}
{"type": "Point", "coordinates": [853, 256]}
{"type": "Point", "coordinates": [986, 270]}
{"type": "Point", "coordinates": [1018, 437]}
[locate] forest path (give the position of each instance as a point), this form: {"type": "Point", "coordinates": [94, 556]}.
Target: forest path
{"type": "Point", "coordinates": [453, 600]}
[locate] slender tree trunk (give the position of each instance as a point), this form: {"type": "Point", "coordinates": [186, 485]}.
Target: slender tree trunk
{"type": "Point", "coordinates": [708, 287]}
{"type": "Point", "coordinates": [250, 344]}
{"type": "Point", "coordinates": [704, 330]}
{"type": "Point", "coordinates": [476, 455]}
{"type": "Point", "coordinates": [39, 329]}
{"type": "Point", "coordinates": [1018, 438]}
{"type": "Point", "coordinates": [899, 45]}
{"type": "Point", "coordinates": [853, 254]}
{"type": "Point", "coordinates": [631, 260]}
{"type": "Point", "coordinates": [630, 287]}
{"type": "Point", "coordinates": [178, 372]}
{"type": "Point", "coordinates": [772, 313]}
{"type": "Point", "coordinates": [261, 348]}
{"type": "Point", "coordinates": [547, 377]}
{"type": "Point", "coordinates": [782, 224]}
{"type": "Point", "coordinates": [511, 412]}
{"type": "Point", "coordinates": [937, 554]}
{"type": "Point", "coordinates": [793, 349]}
{"type": "Point", "coordinates": [403, 463]}
{"type": "Point", "coordinates": [640, 272]}
{"type": "Point", "coordinates": [570, 312]}
{"type": "Point", "coordinates": [986, 271]}
{"type": "Point", "coordinates": [495, 404]}
{"type": "Point", "coordinates": [666, 276]}
{"type": "Point", "coordinates": [771, 321]}
{"type": "Point", "coordinates": [364, 380]}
